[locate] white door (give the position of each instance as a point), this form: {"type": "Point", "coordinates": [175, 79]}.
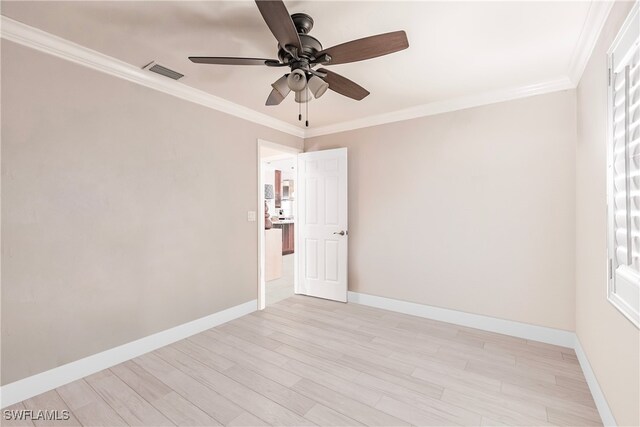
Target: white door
{"type": "Point", "coordinates": [322, 224]}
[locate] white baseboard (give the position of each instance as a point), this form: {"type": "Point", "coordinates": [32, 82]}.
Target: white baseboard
{"type": "Point", "coordinates": [477, 321]}
{"type": "Point", "coordinates": [507, 327]}
{"type": "Point", "coordinates": [594, 387]}
{"type": "Point", "coordinates": [48, 380]}
{"type": "Point", "coordinates": [56, 377]}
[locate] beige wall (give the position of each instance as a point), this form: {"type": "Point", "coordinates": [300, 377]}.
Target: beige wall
{"type": "Point", "coordinates": [472, 210]}
{"type": "Point", "coordinates": [124, 211]}
{"type": "Point", "coordinates": [610, 341]}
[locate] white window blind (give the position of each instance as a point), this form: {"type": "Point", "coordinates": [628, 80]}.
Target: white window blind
{"type": "Point", "coordinates": [624, 169]}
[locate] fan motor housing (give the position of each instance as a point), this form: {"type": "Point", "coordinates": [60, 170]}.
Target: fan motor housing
{"type": "Point", "coordinates": [310, 45]}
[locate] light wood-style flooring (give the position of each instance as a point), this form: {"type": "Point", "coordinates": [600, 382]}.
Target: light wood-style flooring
{"type": "Point", "coordinates": [306, 361]}
{"type": "Point", "coordinates": [283, 287]}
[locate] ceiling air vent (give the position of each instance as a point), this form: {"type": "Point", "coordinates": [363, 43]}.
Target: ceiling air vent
{"type": "Point", "coordinates": [159, 69]}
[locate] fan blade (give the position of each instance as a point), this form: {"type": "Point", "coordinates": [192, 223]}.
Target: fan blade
{"type": "Point", "coordinates": [226, 60]}
{"type": "Point", "coordinates": [344, 86]}
{"type": "Point", "coordinates": [366, 48]}
{"type": "Point", "coordinates": [275, 98]}
{"type": "Point", "coordinates": [277, 17]}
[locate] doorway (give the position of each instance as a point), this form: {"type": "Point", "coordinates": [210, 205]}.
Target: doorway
{"type": "Point", "coordinates": [303, 233]}
{"type": "Point", "coordinates": [277, 172]}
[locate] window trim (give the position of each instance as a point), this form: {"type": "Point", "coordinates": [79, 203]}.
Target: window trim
{"type": "Point", "coordinates": [618, 302]}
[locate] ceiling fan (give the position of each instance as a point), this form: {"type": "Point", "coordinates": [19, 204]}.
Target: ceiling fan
{"type": "Point", "coordinates": [302, 53]}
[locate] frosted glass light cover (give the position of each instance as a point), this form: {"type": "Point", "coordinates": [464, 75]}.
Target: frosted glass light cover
{"type": "Point", "coordinates": [303, 96]}
{"type": "Point", "coordinates": [281, 86]}
{"type": "Point", "coordinates": [317, 86]}
{"type": "Point", "coordinates": [297, 80]}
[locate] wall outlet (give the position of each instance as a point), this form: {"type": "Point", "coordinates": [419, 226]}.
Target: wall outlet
{"type": "Point", "coordinates": [251, 216]}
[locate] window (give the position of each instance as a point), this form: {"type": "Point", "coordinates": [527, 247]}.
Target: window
{"type": "Point", "coordinates": [624, 169]}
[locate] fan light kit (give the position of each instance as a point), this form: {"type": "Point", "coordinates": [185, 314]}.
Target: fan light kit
{"type": "Point", "coordinates": [302, 53]}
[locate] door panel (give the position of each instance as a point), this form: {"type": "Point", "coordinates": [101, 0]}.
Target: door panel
{"type": "Point", "coordinates": [322, 205]}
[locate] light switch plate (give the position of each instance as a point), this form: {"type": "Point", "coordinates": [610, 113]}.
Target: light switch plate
{"type": "Point", "coordinates": [251, 216]}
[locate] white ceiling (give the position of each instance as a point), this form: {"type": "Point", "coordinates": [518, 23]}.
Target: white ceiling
{"type": "Point", "coordinates": [457, 49]}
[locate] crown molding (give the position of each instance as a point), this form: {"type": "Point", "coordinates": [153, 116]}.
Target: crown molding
{"type": "Point", "coordinates": [593, 24]}
{"type": "Point", "coordinates": [34, 38]}
{"type": "Point", "coordinates": [446, 106]}
{"type": "Point", "coordinates": [45, 42]}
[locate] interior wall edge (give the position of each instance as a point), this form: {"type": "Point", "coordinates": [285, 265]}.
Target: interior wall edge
{"type": "Point", "coordinates": [34, 385]}
{"type": "Point", "coordinates": [598, 396]}
{"type": "Point", "coordinates": [596, 18]}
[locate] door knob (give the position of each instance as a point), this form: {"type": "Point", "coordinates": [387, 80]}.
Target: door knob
{"type": "Point", "coordinates": [342, 233]}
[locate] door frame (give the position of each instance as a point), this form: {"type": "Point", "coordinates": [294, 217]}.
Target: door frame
{"type": "Point", "coordinates": [260, 221]}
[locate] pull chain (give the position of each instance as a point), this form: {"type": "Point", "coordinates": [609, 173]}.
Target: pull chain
{"type": "Point", "coordinates": [307, 107]}
{"type": "Point", "coordinates": [299, 112]}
